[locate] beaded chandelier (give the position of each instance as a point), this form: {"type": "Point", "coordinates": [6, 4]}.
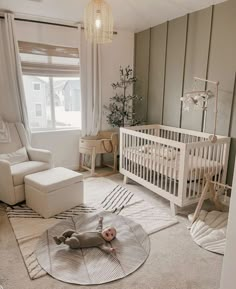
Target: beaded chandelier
{"type": "Point", "coordinates": [98, 22]}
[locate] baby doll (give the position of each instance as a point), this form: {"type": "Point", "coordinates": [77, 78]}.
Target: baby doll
{"type": "Point", "coordinates": [98, 239]}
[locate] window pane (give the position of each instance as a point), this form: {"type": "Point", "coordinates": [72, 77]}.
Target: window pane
{"type": "Point", "coordinates": [38, 109]}
{"type": "Point", "coordinates": [38, 101]}
{"type": "Point", "coordinates": [53, 102]}
{"type": "Point", "coordinates": [67, 98]}
{"type": "Point", "coordinates": [37, 85]}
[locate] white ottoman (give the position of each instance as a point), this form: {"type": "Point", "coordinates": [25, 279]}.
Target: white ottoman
{"type": "Point", "coordinates": [53, 191]}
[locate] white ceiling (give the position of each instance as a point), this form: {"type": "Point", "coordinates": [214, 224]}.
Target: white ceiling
{"type": "Point", "coordinates": [132, 15]}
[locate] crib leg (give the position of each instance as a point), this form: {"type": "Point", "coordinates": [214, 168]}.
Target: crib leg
{"type": "Point", "coordinates": [173, 208]}
{"type": "Point", "coordinates": [125, 181]}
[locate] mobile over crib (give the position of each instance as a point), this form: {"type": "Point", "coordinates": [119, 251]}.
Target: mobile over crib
{"type": "Point", "coordinates": [171, 161]}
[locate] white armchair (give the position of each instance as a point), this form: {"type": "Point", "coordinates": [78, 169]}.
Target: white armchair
{"type": "Point", "coordinates": [12, 189]}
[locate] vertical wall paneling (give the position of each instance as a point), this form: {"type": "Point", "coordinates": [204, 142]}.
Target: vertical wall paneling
{"type": "Point", "coordinates": [156, 73]}
{"type": "Point", "coordinates": [210, 54]}
{"type": "Point", "coordinates": [174, 70]}
{"type": "Point", "coordinates": [222, 64]}
{"type": "Point", "coordinates": [142, 44]}
{"type": "Point", "coordinates": [198, 43]}
{"type": "Point", "coordinates": [232, 133]}
{"type": "Point", "coordinates": [164, 85]}
{"type": "Point", "coordinates": [184, 69]}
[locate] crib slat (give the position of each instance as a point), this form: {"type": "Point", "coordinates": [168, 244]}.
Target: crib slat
{"type": "Point", "coordinates": [176, 168]}
{"type": "Point", "coordinates": [148, 159]}
{"type": "Point", "coordinates": [151, 161]}
{"type": "Point", "coordinates": [159, 165]}
{"type": "Point", "coordinates": [143, 160]}
{"type": "Point", "coordinates": [171, 169]}
{"type": "Point", "coordinates": [221, 162]}
{"type": "Point", "coordinates": [155, 164]}
{"type": "Point", "coordinates": [196, 169]}
{"type": "Point", "coordinates": [200, 171]}
{"type": "Point", "coordinates": [165, 162]}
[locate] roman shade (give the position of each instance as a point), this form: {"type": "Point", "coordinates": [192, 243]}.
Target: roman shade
{"type": "Point", "coordinates": [49, 60]}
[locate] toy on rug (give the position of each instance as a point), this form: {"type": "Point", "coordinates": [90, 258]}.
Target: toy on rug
{"type": "Point", "coordinates": [77, 240]}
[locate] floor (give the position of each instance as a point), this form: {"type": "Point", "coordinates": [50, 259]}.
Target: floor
{"type": "Point", "coordinates": [175, 261]}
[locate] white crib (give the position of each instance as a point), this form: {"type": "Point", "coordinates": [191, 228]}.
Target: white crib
{"type": "Point", "coordinates": [171, 161]}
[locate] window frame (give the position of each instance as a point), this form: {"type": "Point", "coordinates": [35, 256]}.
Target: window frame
{"type": "Point", "coordinates": [50, 70]}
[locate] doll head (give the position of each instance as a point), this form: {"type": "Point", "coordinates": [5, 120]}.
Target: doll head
{"type": "Point", "coordinates": [109, 233]}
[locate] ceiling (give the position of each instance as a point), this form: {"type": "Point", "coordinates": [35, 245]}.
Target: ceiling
{"type": "Point", "coordinates": [132, 15]}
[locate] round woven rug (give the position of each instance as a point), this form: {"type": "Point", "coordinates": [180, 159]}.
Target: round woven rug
{"type": "Point", "coordinates": [93, 266]}
{"type": "Point", "coordinates": [209, 231]}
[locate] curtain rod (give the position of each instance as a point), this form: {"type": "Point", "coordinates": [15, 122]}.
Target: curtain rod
{"type": "Point", "coordinates": [49, 23]}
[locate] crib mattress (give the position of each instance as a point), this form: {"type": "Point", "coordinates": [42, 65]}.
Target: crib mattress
{"type": "Point", "coordinates": [165, 165]}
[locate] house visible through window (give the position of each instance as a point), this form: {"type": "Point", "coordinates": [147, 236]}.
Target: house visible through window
{"type": "Point", "coordinates": [51, 78]}
{"type": "Point", "coordinates": [38, 109]}
{"type": "Point", "coordinates": [36, 85]}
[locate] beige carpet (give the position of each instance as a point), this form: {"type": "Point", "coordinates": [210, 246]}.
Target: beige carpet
{"type": "Point", "coordinates": [100, 194]}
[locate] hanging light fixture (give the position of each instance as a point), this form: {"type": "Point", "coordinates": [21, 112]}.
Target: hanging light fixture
{"type": "Point", "coordinates": [98, 22]}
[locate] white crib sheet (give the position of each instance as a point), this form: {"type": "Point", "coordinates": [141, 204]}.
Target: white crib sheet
{"type": "Point", "coordinates": [163, 164]}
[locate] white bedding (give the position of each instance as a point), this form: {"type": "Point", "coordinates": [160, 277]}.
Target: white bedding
{"type": "Point", "coordinates": [168, 163]}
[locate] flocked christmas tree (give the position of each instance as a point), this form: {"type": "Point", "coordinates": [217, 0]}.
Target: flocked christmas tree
{"type": "Point", "coordinates": [121, 105]}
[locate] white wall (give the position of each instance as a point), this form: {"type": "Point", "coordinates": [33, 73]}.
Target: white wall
{"type": "Point", "coordinates": [228, 277]}
{"type": "Point", "coordinates": [118, 53]}
{"type": "Point", "coordinates": [64, 144]}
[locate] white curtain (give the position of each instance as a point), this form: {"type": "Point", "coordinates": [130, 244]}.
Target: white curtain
{"type": "Point", "coordinates": [14, 71]}
{"type": "Point", "coordinates": [91, 96]}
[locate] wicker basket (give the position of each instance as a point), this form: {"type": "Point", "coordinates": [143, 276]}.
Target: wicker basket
{"type": "Point", "coordinates": [104, 142]}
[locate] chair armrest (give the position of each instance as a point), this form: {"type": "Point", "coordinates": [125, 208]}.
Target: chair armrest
{"type": "Point", "coordinates": [40, 155]}
{"type": "Point", "coordinates": [6, 183]}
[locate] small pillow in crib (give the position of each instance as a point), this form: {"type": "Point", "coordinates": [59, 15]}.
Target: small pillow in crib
{"type": "Point", "coordinates": [16, 157]}
{"type": "Point", "coordinates": [164, 152]}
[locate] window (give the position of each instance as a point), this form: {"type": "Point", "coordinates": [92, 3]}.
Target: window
{"type": "Point", "coordinates": [51, 79]}
{"type": "Point", "coordinates": [38, 109]}
{"type": "Point", "coordinates": [36, 85]}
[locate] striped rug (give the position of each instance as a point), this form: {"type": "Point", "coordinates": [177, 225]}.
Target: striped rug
{"type": "Point", "coordinates": [101, 194]}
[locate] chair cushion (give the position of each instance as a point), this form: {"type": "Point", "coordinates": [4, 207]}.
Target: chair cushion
{"type": "Point", "coordinates": [19, 171]}
{"type": "Point", "coordinates": [53, 179]}
{"type": "Point", "coordinates": [17, 157]}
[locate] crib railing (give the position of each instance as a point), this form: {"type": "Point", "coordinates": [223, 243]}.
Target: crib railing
{"type": "Point", "coordinates": [173, 133]}
{"type": "Point", "coordinates": [172, 161]}
{"type": "Point", "coordinates": [151, 160]}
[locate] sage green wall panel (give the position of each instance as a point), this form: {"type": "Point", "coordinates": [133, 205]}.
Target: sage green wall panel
{"type": "Point", "coordinates": [222, 65]}
{"type": "Point", "coordinates": [174, 70]}
{"type": "Point", "coordinates": [156, 73]}
{"type": "Point", "coordinates": [232, 133]}
{"type": "Point", "coordinates": [198, 39]}
{"type": "Point", "coordinates": [142, 40]}
{"type": "Point", "coordinates": [219, 46]}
